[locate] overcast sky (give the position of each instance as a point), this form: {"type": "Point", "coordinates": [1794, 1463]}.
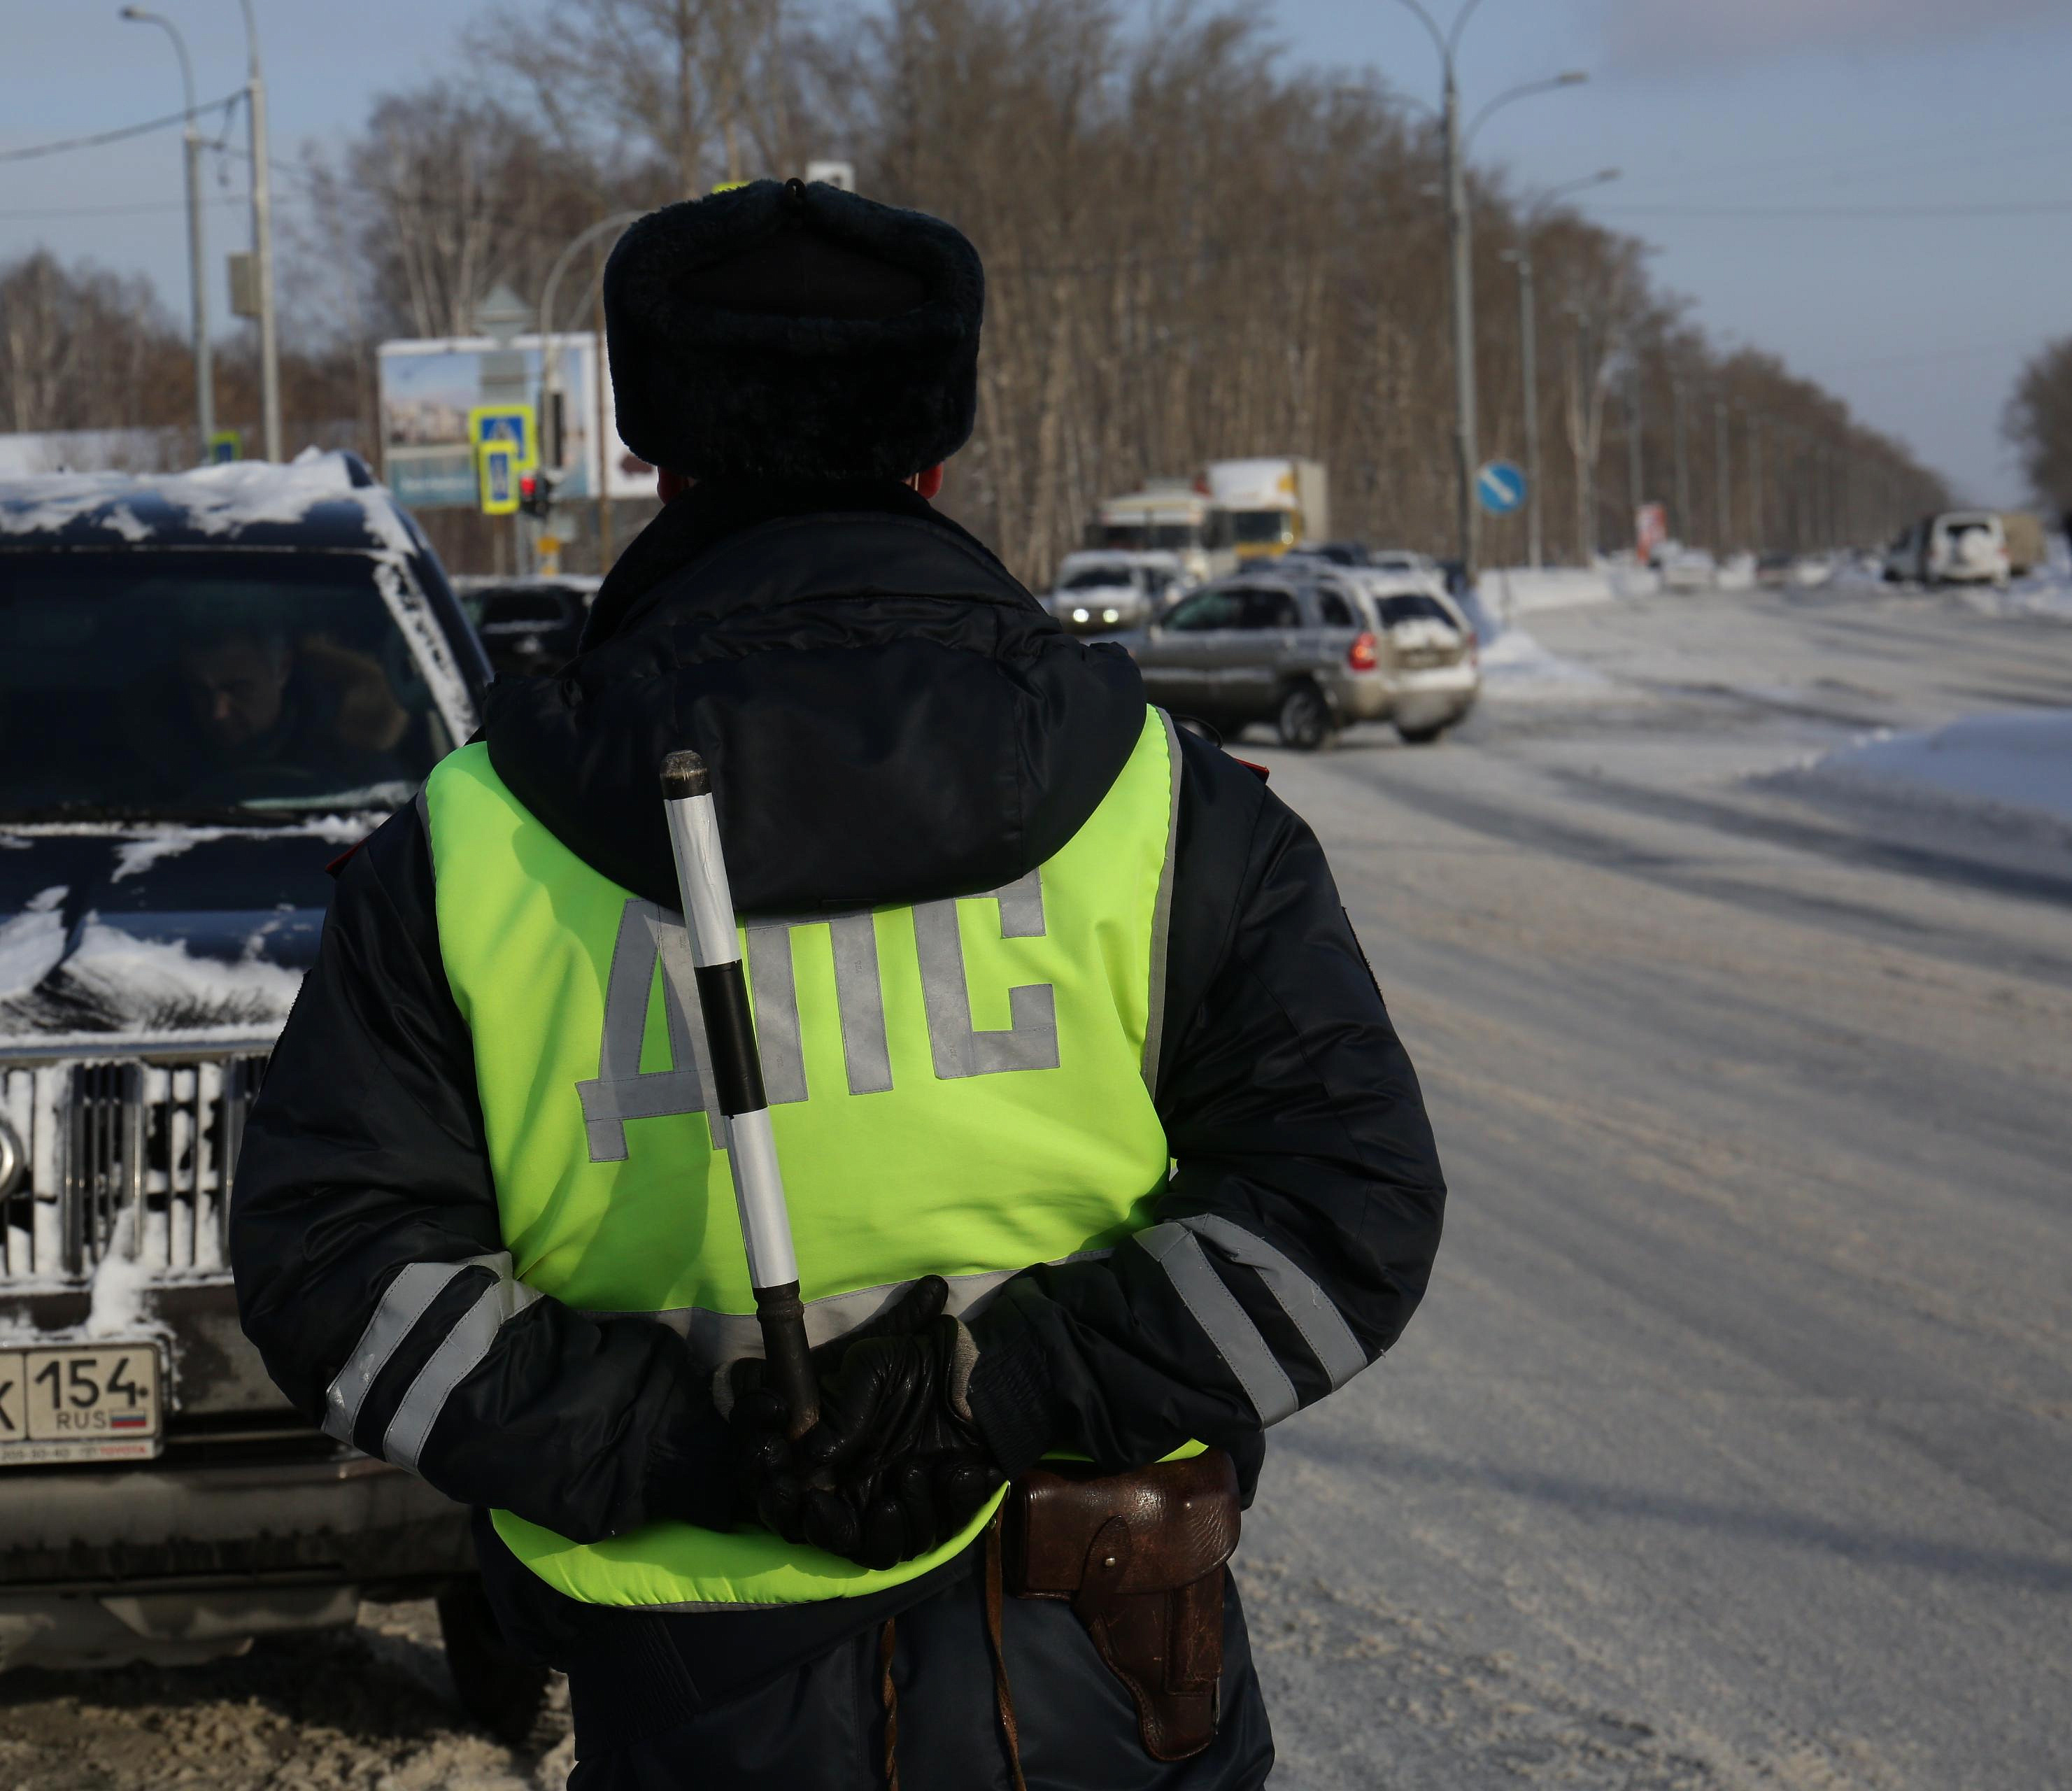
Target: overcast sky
{"type": "Point", "coordinates": [1878, 191]}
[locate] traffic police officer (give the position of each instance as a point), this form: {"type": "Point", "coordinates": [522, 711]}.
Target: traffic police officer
{"type": "Point", "coordinates": [1099, 1142]}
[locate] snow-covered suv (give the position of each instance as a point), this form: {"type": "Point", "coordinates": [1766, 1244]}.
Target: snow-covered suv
{"type": "Point", "coordinates": [211, 684]}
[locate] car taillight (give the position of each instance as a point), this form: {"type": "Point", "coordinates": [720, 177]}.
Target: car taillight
{"type": "Point", "coordinates": [1363, 653]}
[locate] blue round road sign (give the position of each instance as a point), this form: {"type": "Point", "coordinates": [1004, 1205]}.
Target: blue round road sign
{"type": "Point", "coordinates": [1500, 487]}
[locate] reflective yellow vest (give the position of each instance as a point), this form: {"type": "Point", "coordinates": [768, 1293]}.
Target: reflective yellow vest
{"type": "Point", "coordinates": [960, 1087]}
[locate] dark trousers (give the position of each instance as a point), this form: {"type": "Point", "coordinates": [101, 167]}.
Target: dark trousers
{"type": "Point", "coordinates": [819, 1724]}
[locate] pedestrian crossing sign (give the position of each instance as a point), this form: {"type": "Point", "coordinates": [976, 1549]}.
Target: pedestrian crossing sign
{"type": "Point", "coordinates": [512, 424]}
{"type": "Point", "coordinates": [497, 467]}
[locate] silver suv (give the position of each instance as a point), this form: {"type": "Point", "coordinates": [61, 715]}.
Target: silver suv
{"type": "Point", "coordinates": [1312, 651]}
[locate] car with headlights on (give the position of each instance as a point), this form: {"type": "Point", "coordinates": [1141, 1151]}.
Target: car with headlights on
{"type": "Point", "coordinates": [212, 685]}
{"type": "Point", "coordinates": [1099, 591]}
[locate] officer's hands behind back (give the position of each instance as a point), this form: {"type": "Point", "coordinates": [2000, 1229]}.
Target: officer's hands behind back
{"type": "Point", "coordinates": [895, 1466]}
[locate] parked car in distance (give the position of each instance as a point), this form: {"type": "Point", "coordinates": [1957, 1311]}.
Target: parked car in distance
{"type": "Point", "coordinates": [1689, 568]}
{"type": "Point", "coordinates": [1403, 563]}
{"type": "Point", "coordinates": [1101, 591]}
{"type": "Point", "coordinates": [1312, 652]}
{"type": "Point", "coordinates": [210, 684]}
{"type": "Point", "coordinates": [529, 627]}
{"type": "Point", "coordinates": [1949, 547]}
{"type": "Point", "coordinates": [1965, 547]}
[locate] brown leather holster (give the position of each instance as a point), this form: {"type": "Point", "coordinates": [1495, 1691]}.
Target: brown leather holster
{"type": "Point", "coordinates": [1142, 1557]}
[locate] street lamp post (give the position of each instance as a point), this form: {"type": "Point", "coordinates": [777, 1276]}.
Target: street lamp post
{"type": "Point", "coordinates": [1460, 249]}
{"type": "Point", "coordinates": [1528, 342]}
{"type": "Point", "coordinates": [1683, 452]}
{"type": "Point", "coordinates": [1635, 478]}
{"type": "Point", "coordinates": [262, 242]}
{"type": "Point", "coordinates": [1723, 500]}
{"type": "Point", "coordinates": [197, 250]}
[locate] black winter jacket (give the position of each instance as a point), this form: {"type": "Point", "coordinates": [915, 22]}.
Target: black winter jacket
{"type": "Point", "coordinates": [891, 718]}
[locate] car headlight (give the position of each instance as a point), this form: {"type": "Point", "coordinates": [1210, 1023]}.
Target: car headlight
{"type": "Point", "coordinates": [1110, 616]}
{"type": "Point", "coordinates": [1079, 615]}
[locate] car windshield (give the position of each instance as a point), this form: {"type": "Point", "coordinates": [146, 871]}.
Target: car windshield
{"type": "Point", "coordinates": [1206, 609]}
{"type": "Point", "coordinates": [1099, 577]}
{"type": "Point", "coordinates": [1413, 607]}
{"type": "Point", "coordinates": [1252, 527]}
{"type": "Point", "coordinates": [1175, 537]}
{"type": "Point", "coordinates": [179, 686]}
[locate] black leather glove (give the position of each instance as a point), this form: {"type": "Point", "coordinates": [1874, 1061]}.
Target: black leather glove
{"type": "Point", "coordinates": [750, 1406]}
{"type": "Point", "coordinates": [909, 1466]}
{"type": "Point", "coordinates": [895, 1466]}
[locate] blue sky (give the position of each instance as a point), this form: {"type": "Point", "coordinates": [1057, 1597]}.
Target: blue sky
{"type": "Point", "coordinates": [1885, 124]}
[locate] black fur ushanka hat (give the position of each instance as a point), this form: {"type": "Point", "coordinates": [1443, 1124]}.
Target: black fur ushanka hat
{"type": "Point", "coordinates": [788, 331]}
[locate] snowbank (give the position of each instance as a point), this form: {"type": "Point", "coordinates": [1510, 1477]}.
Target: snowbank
{"type": "Point", "coordinates": [2043, 592]}
{"type": "Point", "coordinates": [1512, 591]}
{"type": "Point", "coordinates": [2021, 763]}
{"type": "Point", "coordinates": [1517, 669]}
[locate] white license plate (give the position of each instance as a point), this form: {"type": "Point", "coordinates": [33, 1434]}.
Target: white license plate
{"type": "Point", "coordinates": [70, 1403]}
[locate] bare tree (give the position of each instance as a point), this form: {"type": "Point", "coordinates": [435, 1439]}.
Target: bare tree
{"type": "Point", "coordinates": [2038, 421]}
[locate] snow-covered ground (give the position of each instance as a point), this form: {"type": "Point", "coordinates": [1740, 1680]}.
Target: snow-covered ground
{"type": "Point", "coordinates": [2018, 763]}
{"type": "Point", "coordinates": [1517, 669]}
{"type": "Point", "coordinates": [1506, 591]}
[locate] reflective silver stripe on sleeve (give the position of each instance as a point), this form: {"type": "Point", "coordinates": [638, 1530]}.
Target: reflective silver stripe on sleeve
{"type": "Point", "coordinates": [1161, 911]}
{"type": "Point", "coordinates": [718, 1337]}
{"type": "Point", "coordinates": [459, 1353]}
{"type": "Point", "coordinates": [1178, 1252]}
{"type": "Point", "coordinates": [403, 1304]}
{"type": "Point", "coordinates": [1307, 1305]}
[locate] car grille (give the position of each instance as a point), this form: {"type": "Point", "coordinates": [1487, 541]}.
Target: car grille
{"type": "Point", "coordinates": [134, 1154]}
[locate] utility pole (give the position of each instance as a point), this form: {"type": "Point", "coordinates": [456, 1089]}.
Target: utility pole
{"type": "Point", "coordinates": [1528, 346]}
{"type": "Point", "coordinates": [1528, 352]}
{"type": "Point", "coordinates": [262, 242]}
{"type": "Point", "coordinates": [1635, 479]}
{"type": "Point", "coordinates": [1755, 482]}
{"type": "Point", "coordinates": [197, 248]}
{"type": "Point", "coordinates": [1723, 501]}
{"type": "Point", "coordinates": [1683, 530]}
{"type": "Point", "coordinates": [1582, 375]}
{"type": "Point", "coordinates": [1460, 256]}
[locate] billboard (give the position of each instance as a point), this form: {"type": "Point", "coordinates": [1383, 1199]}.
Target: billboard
{"type": "Point", "coordinates": [431, 389]}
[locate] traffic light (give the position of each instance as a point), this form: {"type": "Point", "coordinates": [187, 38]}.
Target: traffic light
{"type": "Point", "coordinates": [535, 494]}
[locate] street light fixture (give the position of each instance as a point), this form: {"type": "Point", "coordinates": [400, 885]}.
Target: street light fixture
{"type": "Point", "coordinates": [1529, 346]}
{"type": "Point", "coordinates": [197, 251]}
{"type": "Point", "coordinates": [1465, 451]}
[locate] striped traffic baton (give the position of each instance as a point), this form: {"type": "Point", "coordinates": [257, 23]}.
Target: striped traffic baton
{"type": "Point", "coordinates": [737, 1066]}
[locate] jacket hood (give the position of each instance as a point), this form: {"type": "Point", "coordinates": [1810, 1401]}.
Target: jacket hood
{"type": "Point", "coordinates": [888, 716]}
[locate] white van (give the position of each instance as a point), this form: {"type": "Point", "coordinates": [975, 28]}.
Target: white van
{"type": "Point", "coordinates": [1955, 547]}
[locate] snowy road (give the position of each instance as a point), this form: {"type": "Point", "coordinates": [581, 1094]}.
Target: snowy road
{"type": "Point", "coordinates": [1733, 1445]}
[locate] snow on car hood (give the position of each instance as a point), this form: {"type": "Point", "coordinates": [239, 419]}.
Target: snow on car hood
{"type": "Point", "coordinates": [112, 930]}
